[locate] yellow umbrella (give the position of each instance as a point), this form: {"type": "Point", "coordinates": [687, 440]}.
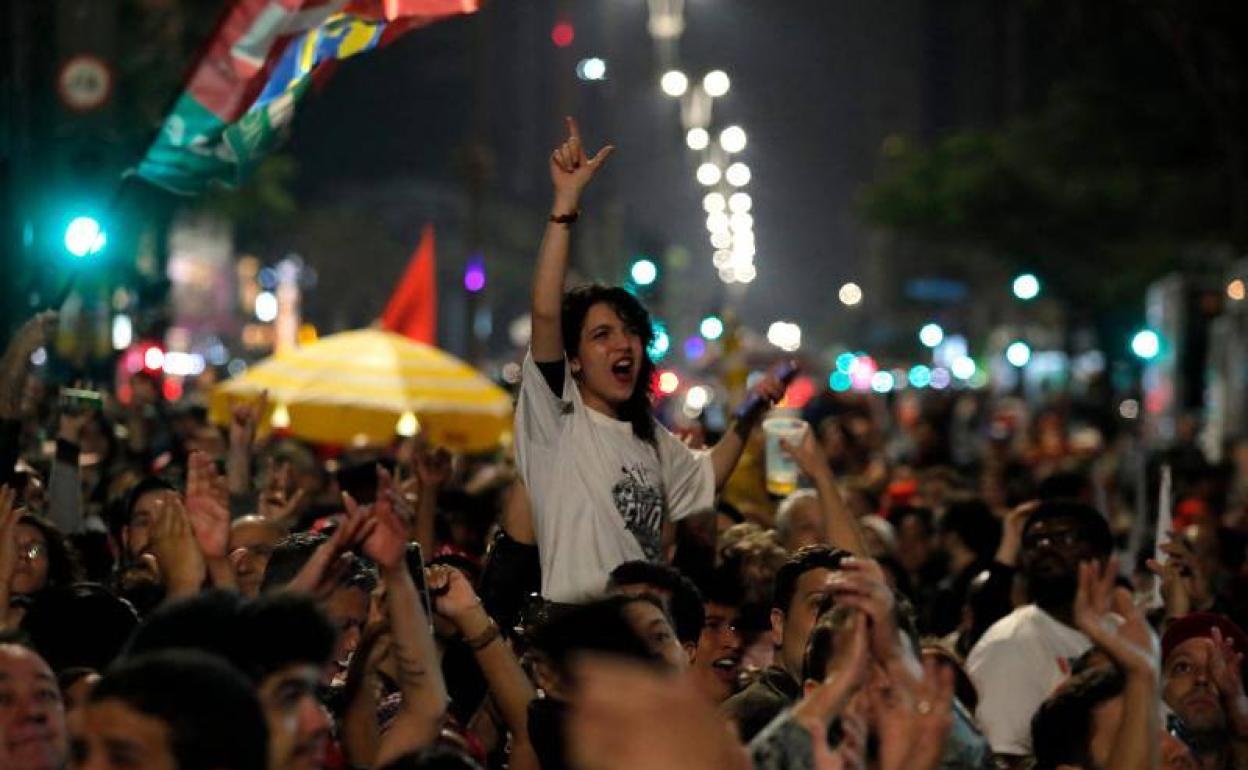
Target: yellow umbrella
{"type": "Point", "coordinates": [364, 387]}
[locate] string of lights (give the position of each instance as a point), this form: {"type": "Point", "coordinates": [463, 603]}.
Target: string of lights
{"type": "Point", "coordinates": [718, 167]}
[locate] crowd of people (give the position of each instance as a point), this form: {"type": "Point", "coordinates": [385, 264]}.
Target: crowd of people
{"type": "Point", "coordinates": [941, 593]}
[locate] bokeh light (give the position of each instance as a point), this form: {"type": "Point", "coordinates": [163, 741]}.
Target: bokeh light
{"type": "Point", "coordinates": [1146, 344]}
{"type": "Point", "coordinates": [266, 306]}
{"type": "Point", "coordinates": [882, 382]}
{"type": "Point", "coordinates": [740, 203]}
{"type": "Point", "coordinates": [931, 335]}
{"type": "Point", "coordinates": [592, 68]}
{"type": "Point", "coordinates": [716, 83]}
{"type": "Point", "coordinates": [963, 367]}
{"type": "Point", "coordinates": [708, 174]}
{"type": "Point", "coordinates": [1018, 353]}
{"type": "Point", "coordinates": [562, 34]}
{"type": "Point", "coordinates": [668, 382]}
{"type": "Point", "coordinates": [732, 139]}
{"type": "Point", "coordinates": [1026, 286]}
{"type": "Point", "coordinates": [644, 272]}
{"type": "Point", "coordinates": [674, 83]}
{"type": "Point", "coordinates": [850, 294]}
{"type": "Point", "coordinates": [738, 175]}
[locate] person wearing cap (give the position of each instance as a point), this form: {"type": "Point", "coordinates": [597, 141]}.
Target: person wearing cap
{"type": "Point", "coordinates": [1024, 656]}
{"type": "Point", "coordinates": [1202, 683]}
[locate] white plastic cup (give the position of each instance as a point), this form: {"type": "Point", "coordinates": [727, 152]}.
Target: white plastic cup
{"type": "Point", "coordinates": [782, 469]}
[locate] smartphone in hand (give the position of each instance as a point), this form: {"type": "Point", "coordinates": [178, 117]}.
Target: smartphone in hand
{"type": "Point", "coordinates": [78, 400]}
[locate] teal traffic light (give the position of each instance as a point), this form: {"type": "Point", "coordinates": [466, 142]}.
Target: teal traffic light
{"type": "Point", "coordinates": [1146, 344]}
{"type": "Point", "coordinates": [1018, 353]}
{"type": "Point", "coordinates": [85, 235]}
{"type": "Point", "coordinates": [712, 327]}
{"type": "Point", "coordinates": [1026, 286]}
{"type": "Point", "coordinates": [660, 343]}
{"type": "Point", "coordinates": [643, 271]}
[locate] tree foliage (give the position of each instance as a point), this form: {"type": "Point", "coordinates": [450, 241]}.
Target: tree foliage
{"type": "Point", "coordinates": [1130, 159]}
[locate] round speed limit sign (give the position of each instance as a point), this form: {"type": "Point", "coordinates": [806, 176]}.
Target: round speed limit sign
{"type": "Point", "coordinates": [84, 83]}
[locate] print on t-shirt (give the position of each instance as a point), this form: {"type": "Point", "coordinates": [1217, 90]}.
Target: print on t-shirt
{"type": "Point", "coordinates": [641, 505]}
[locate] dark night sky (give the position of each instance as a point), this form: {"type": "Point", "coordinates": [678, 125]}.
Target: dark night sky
{"type": "Point", "coordinates": [816, 85]}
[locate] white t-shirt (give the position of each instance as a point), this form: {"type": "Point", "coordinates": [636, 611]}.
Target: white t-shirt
{"type": "Point", "coordinates": [1015, 666]}
{"type": "Point", "coordinates": [600, 495]}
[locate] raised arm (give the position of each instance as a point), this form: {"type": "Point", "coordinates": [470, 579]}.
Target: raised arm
{"type": "Point", "coordinates": [208, 510]}
{"type": "Point", "coordinates": [840, 526]}
{"type": "Point", "coordinates": [433, 469]}
{"type": "Point", "coordinates": [1133, 647]}
{"type": "Point", "coordinates": [727, 452]}
{"type": "Point", "coordinates": [13, 366]}
{"type": "Point", "coordinates": [244, 418]}
{"type": "Point", "coordinates": [507, 681]}
{"type": "Point", "coordinates": [415, 655]}
{"type": "Point", "coordinates": [570, 170]}
{"type": "Point", "coordinates": [182, 566]}
{"type": "Point", "coordinates": [65, 508]}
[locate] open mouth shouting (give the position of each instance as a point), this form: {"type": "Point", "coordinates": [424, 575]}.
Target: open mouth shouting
{"type": "Point", "coordinates": [727, 668]}
{"type": "Point", "coordinates": [624, 370]}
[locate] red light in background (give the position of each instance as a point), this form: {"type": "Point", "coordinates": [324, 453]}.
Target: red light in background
{"type": "Point", "coordinates": [172, 388]}
{"type": "Point", "coordinates": [563, 34]}
{"type": "Point", "coordinates": [133, 360]}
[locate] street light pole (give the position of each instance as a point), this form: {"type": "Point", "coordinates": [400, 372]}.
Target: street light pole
{"type": "Point", "coordinates": [477, 167]}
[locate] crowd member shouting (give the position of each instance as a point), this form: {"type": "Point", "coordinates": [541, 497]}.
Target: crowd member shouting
{"type": "Point", "coordinates": [603, 475]}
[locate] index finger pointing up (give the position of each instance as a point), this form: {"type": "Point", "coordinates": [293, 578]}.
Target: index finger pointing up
{"type": "Point", "coordinates": [574, 131]}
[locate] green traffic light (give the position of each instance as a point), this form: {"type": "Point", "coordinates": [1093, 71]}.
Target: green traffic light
{"type": "Point", "coordinates": [1146, 344]}
{"type": "Point", "coordinates": [712, 327]}
{"type": "Point", "coordinates": [84, 236]}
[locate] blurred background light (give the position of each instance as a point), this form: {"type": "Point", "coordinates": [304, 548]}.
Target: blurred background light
{"type": "Point", "coordinates": [716, 83]}
{"type": "Point", "coordinates": [674, 83]}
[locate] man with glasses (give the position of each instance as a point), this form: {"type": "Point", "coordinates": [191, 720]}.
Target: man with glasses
{"type": "Point", "coordinates": [1025, 655]}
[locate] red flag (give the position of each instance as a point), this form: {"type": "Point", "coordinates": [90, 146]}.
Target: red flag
{"type": "Point", "coordinates": [413, 308]}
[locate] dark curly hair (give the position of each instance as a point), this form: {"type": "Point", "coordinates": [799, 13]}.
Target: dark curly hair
{"type": "Point", "coordinates": [63, 565]}
{"type": "Point", "coordinates": [576, 304]}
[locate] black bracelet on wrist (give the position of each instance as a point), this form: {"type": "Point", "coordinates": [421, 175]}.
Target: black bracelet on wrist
{"type": "Point", "coordinates": [485, 638]}
{"type": "Point", "coordinates": [565, 219]}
